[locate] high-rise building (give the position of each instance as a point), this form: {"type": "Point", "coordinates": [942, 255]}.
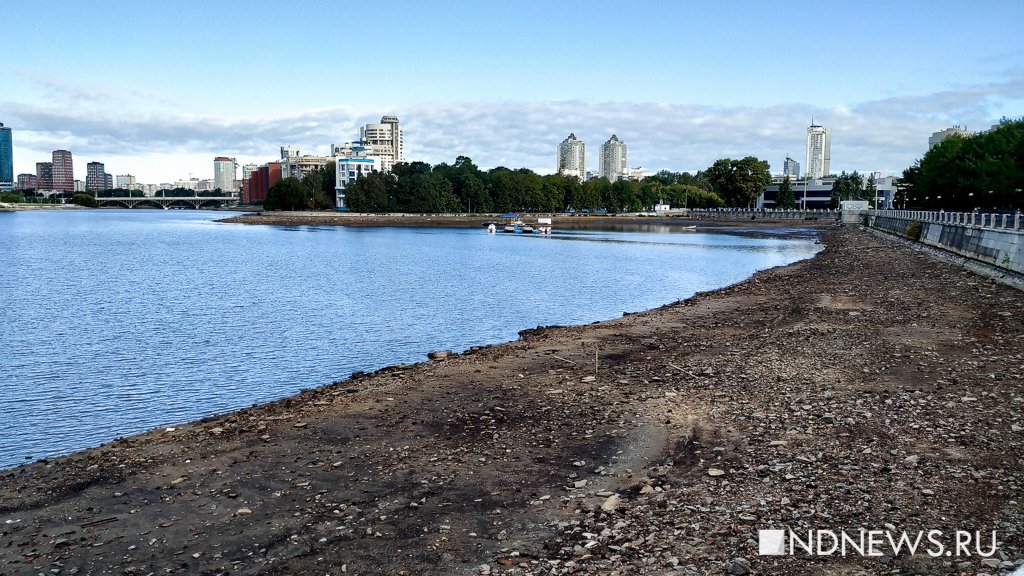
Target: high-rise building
{"type": "Point", "coordinates": [6, 158]}
{"type": "Point", "coordinates": [572, 157]}
{"type": "Point", "coordinates": [936, 137]}
{"type": "Point", "coordinates": [384, 141]}
{"type": "Point", "coordinates": [612, 163]}
{"type": "Point", "coordinates": [791, 168]}
{"type": "Point", "coordinates": [224, 174]}
{"type": "Point", "coordinates": [63, 171]}
{"type": "Point", "coordinates": [819, 151]}
{"type": "Point", "coordinates": [108, 181]}
{"type": "Point", "coordinates": [44, 176]}
{"type": "Point", "coordinates": [95, 177]}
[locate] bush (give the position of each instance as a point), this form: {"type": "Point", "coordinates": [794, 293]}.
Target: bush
{"type": "Point", "coordinates": [914, 230]}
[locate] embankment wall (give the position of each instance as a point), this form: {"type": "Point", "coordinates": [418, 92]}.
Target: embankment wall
{"type": "Point", "coordinates": [994, 239]}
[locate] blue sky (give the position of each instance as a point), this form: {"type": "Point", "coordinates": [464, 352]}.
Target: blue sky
{"type": "Point", "coordinates": [157, 89]}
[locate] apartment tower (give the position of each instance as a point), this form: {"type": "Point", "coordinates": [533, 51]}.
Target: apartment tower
{"type": "Point", "coordinates": [612, 163]}
{"type": "Point", "coordinates": [63, 171]}
{"type": "Point", "coordinates": [224, 173]}
{"type": "Point", "coordinates": [572, 158]}
{"type": "Point", "coordinates": [95, 177]}
{"type": "Point", "coordinates": [819, 151]}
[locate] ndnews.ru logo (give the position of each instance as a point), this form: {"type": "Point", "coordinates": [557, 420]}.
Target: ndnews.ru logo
{"type": "Point", "coordinates": [934, 543]}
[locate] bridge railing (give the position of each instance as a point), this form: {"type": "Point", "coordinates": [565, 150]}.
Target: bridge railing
{"type": "Point", "coordinates": [998, 221]}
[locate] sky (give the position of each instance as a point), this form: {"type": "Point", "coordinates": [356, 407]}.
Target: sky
{"type": "Point", "coordinates": [158, 89]}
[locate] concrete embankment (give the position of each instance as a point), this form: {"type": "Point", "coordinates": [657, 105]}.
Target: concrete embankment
{"type": "Point", "coordinates": [871, 387]}
{"type": "Point", "coordinates": [993, 244]}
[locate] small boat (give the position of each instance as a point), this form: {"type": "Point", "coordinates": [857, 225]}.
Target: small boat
{"type": "Point", "coordinates": [491, 228]}
{"type": "Point", "coordinates": [510, 228]}
{"type": "Point", "coordinates": [527, 229]}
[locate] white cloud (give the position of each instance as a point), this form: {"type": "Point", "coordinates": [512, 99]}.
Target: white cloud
{"type": "Point", "coordinates": [888, 134]}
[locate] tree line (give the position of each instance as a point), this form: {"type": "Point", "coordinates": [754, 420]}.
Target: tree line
{"type": "Point", "coordinates": [962, 173]}
{"type": "Point", "coordinates": [463, 187]}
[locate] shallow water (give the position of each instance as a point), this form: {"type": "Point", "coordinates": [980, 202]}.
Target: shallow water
{"type": "Point", "coordinates": [118, 321]}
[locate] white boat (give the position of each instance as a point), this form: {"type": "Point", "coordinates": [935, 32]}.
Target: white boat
{"type": "Point", "coordinates": [491, 228]}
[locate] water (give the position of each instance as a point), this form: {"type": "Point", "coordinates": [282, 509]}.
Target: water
{"type": "Point", "coordinates": [114, 322]}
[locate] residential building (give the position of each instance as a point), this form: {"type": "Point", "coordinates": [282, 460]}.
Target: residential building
{"type": "Point", "coordinates": [95, 177]}
{"type": "Point", "coordinates": [260, 182]}
{"type": "Point", "coordinates": [27, 182]}
{"type": "Point", "coordinates": [817, 193]}
{"type": "Point", "coordinates": [612, 163]}
{"type": "Point", "coordinates": [791, 168]}
{"type": "Point", "coordinates": [224, 174]}
{"type": "Point", "coordinates": [941, 135]}
{"type": "Point", "coordinates": [79, 186]}
{"type": "Point", "coordinates": [819, 151]}
{"type": "Point", "coordinates": [44, 176]}
{"type": "Point", "coordinates": [6, 158]}
{"type": "Point", "coordinates": [289, 152]}
{"type": "Point", "coordinates": [357, 162]}
{"type": "Point", "coordinates": [108, 181]}
{"type": "Point", "coordinates": [247, 170]}
{"type": "Point", "coordinates": [300, 166]}
{"type": "Point", "coordinates": [571, 158]}
{"type": "Point", "coordinates": [125, 182]}
{"type": "Point", "coordinates": [383, 141]}
{"type": "Point", "coordinates": [63, 171]}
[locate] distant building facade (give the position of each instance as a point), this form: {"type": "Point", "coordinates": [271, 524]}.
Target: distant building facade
{"type": "Point", "coordinates": [27, 182]}
{"type": "Point", "coordinates": [819, 151]}
{"type": "Point", "coordinates": [6, 158]}
{"type": "Point", "coordinates": [383, 141]}
{"type": "Point", "coordinates": [941, 135]}
{"type": "Point", "coordinates": [571, 158]}
{"type": "Point", "coordinates": [295, 165]}
{"type": "Point", "coordinates": [612, 163]}
{"type": "Point", "coordinates": [63, 171]}
{"type": "Point", "coordinates": [44, 176]}
{"type": "Point", "coordinates": [224, 174]}
{"type": "Point", "coordinates": [260, 182]}
{"type": "Point", "coordinates": [96, 177]}
{"type": "Point", "coordinates": [791, 168]}
{"type": "Point", "coordinates": [356, 163]}
{"type": "Point", "coordinates": [125, 182]}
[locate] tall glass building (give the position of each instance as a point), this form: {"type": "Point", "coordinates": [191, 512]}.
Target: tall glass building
{"type": "Point", "coordinates": [6, 159]}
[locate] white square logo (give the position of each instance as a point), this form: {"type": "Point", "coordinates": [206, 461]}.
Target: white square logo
{"type": "Point", "coordinates": [771, 542]}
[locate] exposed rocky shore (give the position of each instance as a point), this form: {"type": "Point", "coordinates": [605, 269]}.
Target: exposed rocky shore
{"type": "Point", "coordinates": [870, 387]}
{"type": "Point", "coordinates": [559, 221]}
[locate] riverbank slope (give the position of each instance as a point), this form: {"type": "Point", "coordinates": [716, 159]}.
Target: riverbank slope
{"type": "Point", "coordinates": [868, 387]}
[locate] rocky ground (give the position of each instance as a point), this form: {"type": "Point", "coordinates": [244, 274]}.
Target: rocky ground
{"type": "Point", "coordinates": [871, 387]}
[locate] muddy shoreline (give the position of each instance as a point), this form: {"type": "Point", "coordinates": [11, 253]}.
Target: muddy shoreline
{"type": "Point", "coordinates": [869, 386]}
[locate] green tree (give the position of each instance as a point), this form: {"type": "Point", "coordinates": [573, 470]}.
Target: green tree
{"type": "Point", "coordinates": [871, 191]}
{"type": "Point", "coordinates": [287, 194]}
{"type": "Point", "coordinates": [847, 187]}
{"type": "Point", "coordinates": [785, 198]}
{"type": "Point", "coordinates": [84, 200]}
{"type": "Point", "coordinates": [739, 182]}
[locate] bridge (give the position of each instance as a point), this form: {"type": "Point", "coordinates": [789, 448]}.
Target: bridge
{"type": "Point", "coordinates": [186, 202]}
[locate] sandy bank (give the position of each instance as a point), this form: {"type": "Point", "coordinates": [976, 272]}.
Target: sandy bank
{"type": "Point", "coordinates": [868, 386]}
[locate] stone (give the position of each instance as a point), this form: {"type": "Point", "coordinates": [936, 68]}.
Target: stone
{"type": "Point", "coordinates": [243, 511]}
{"type": "Point", "coordinates": [716, 472]}
{"type": "Point", "coordinates": [739, 567]}
{"type": "Point", "coordinates": [611, 503]}
{"type": "Point", "coordinates": [439, 354]}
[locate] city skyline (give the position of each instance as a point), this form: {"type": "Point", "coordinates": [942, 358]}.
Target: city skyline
{"type": "Point", "coordinates": [698, 82]}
